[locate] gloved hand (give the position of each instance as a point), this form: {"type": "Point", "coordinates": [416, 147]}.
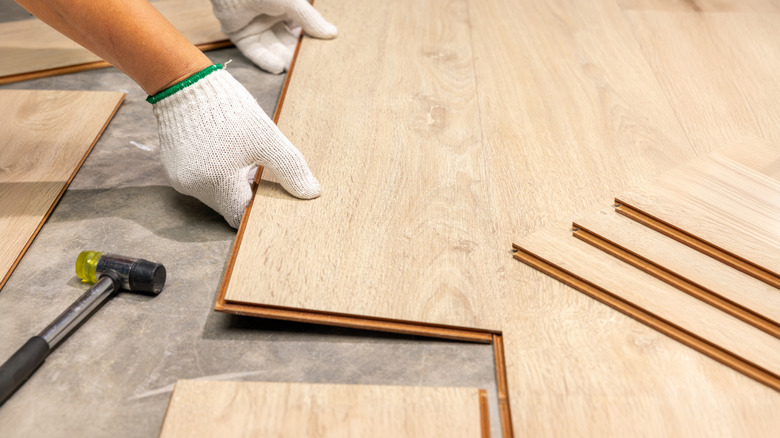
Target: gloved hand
{"type": "Point", "coordinates": [212, 131]}
{"type": "Point", "coordinates": [266, 30]}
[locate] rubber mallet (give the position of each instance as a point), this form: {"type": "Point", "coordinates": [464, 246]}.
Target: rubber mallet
{"type": "Point", "coordinates": [109, 273]}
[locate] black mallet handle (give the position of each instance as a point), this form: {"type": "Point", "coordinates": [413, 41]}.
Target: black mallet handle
{"type": "Point", "coordinates": [16, 370]}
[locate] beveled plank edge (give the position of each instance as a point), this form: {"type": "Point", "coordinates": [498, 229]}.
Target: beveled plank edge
{"type": "Point", "coordinates": [484, 417]}
{"type": "Point", "coordinates": [722, 255]}
{"type": "Point", "coordinates": [699, 344]}
{"type": "Point", "coordinates": [64, 188]}
{"type": "Point", "coordinates": [671, 278]}
{"type": "Point", "coordinates": [56, 71]}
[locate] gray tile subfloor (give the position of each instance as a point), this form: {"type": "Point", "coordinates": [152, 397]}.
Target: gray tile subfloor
{"type": "Point", "coordinates": [114, 376]}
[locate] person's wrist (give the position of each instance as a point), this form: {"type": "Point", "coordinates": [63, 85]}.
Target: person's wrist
{"type": "Point", "coordinates": [183, 83]}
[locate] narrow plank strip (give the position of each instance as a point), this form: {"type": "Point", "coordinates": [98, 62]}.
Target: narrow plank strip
{"type": "Point", "coordinates": [683, 267]}
{"type": "Point", "coordinates": [244, 409]}
{"type": "Point", "coordinates": [30, 48]}
{"type": "Point", "coordinates": [47, 136]}
{"type": "Point", "coordinates": [714, 333]}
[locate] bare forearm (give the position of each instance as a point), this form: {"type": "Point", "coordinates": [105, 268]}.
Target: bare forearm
{"type": "Point", "coordinates": [130, 34]}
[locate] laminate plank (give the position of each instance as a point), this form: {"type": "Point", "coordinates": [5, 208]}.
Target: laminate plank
{"type": "Point", "coordinates": [718, 70]}
{"type": "Point", "coordinates": [722, 204]}
{"type": "Point", "coordinates": [568, 113]}
{"type": "Point", "coordinates": [250, 409]}
{"type": "Point", "coordinates": [30, 46]}
{"type": "Point", "coordinates": [577, 261]}
{"type": "Point", "coordinates": [399, 155]}
{"type": "Point", "coordinates": [631, 380]}
{"type": "Point", "coordinates": [436, 181]}
{"type": "Point", "coordinates": [564, 87]}
{"type": "Point", "coordinates": [46, 137]}
{"type": "Point", "coordinates": [733, 291]}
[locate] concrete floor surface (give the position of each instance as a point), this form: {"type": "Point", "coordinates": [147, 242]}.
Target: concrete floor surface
{"type": "Point", "coordinates": [114, 375]}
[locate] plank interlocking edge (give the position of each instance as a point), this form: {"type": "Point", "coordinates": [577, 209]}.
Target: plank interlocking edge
{"type": "Point", "coordinates": [696, 243]}
{"type": "Point", "coordinates": [119, 99]}
{"type": "Point", "coordinates": [302, 398]}
{"type": "Point", "coordinates": [171, 9]}
{"type": "Point", "coordinates": [556, 271]}
{"type": "Point", "coordinates": [667, 274]}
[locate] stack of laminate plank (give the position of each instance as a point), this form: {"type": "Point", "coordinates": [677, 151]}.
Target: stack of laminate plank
{"type": "Point", "coordinates": [693, 254]}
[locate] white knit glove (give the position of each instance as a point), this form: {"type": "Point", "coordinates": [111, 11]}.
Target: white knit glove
{"type": "Point", "coordinates": [266, 31]}
{"type": "Point", "coordinates": [212, 131]}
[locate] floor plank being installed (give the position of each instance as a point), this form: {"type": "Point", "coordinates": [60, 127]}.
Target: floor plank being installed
{"type": "Point", "coordinates": [46, 137]}
{"type": "Point", "coordinates": [251, 409]}
{"type": "Point", "coordinates": [30, 48]}
{"type": "Point", "coordinates": [442, 136]}
{"type": "Point", "coordinates": [406, 200]}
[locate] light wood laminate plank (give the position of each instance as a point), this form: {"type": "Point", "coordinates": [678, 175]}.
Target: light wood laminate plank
{"type": "Point", "coordinates": [586, 263]}
{"type": "Point", "coordinates": [422, 179]}
{"type": "Point", "coordinates": [722, 203]}
{"type": "Point", "coordinates": [719, 72]}
{"type": "Point", "coordinates": [685, 263]}
{"type": "Point", "coordinates": [405, 210]}
{"type": "Point", "coordinates": [46, 137]}
{"type": "Point", "coordinates": [251, 409]}
{"type": "Point", "coordinates": [569, 113]}
{"type": "Point", "coordinates": [28, 46]}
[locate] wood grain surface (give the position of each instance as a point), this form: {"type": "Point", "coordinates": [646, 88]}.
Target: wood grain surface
{"type": "Point", "coordinates": [652, 296]}
{"type": "Point", "coordinates": [253, 409]}
{"type": "Point", "coordinates": [718, 70]}
{"type": "Point", "coordinates": [419, 196]}
{"type": "Point", "coordinates": [721, 203]}
{"type": "Point", "coordinates": [684, 267]}
{"type": "Point", "coordinates": [30, 46]}
{"type": "Point", "coordinates": [46, 137]}
{"type": "Point", "coordinates": [441, 136]}
{"type": "Point", "coordinates": [400, 159]}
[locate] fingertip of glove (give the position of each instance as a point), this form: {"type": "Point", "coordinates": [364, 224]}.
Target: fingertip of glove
{"type": "Point", "coordinates": [309, 190]}
{"type": "Point", "coordinates": [324, 31]}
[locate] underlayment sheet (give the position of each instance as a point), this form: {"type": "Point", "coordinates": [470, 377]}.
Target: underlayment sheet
{"type": "Point", "coordinates": [257, 409]}
{"type": "Point", "coordinates": [46, 136]}
{"type": "Point", "coordinates": [30, 48]}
